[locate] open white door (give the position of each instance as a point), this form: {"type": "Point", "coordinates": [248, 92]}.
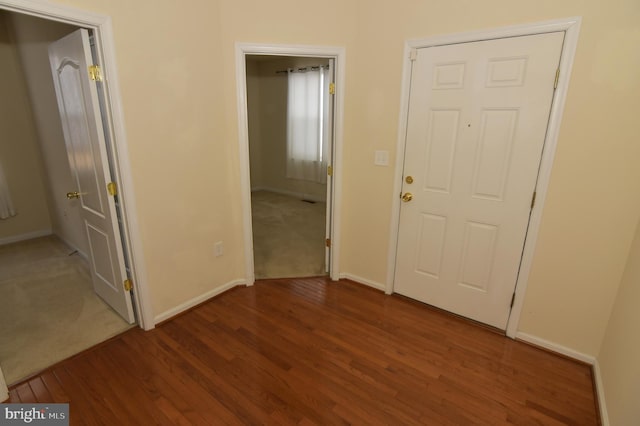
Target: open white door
{"type": "Point", "coordinates": [478, 115]}
{"type": "Point", "coordinates": [70, 58]}
{"type": "Point", "coordinates": [328, 140]}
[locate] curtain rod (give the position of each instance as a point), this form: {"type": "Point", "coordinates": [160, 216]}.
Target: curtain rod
{"type": "Point", "coordinates": [302, 69]}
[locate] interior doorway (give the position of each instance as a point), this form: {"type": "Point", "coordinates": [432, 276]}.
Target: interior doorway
{"type": "Point", "coordinates": [289, 105]}
{"type": "Point", "coordinates": [63, 243]}
{"type": "Point", "coordinates": [308, 186]}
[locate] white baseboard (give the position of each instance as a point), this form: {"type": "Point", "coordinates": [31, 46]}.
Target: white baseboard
{"type": "Point", "coordinates": [364, 281]}
{"type": "Point", "coordinates": [602, 403]}
{"type": "Point", "coordinates": [554, 347]}
{"type": "Point", "coordinates": [73, 247]}
{"type": "Point", "coordinates": [197, 300]}
{"type": "Point", "coordinates": [302, 196]}
{"type": "Point", "coordinates": [589, 359]}
{"type": "Point", "coordinates": [24, 237]}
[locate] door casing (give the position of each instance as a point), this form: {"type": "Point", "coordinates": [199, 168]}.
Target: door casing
{"type": "Point", "coordinates": [338, 55]}
{"type": "Point", "coordinates": [571, 27]}
{"type": "Point", "coordinates": [103, 32]}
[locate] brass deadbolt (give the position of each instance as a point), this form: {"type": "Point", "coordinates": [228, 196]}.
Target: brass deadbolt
{"type": "Point", "coordinates": [407, 197]}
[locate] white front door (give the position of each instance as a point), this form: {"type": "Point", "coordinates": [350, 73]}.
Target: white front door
{"type": "Point", "coordinates": [84, 136]}
{"type": "Point", "coordinates": [476, 128]}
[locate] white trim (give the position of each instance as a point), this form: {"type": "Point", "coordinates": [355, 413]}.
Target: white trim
{"type": "Point", "coordinates": [73, 247]}
{"type": "Point", "coordinates": [397, 182]}
{"type": "Point", "coordinates": [572, 30]}
{"type": "Point", "coordinates": [589, 359]}
{"type": "Point", "coordinates": [339, 55]}
{"type": "Point", "coordinates": [101, 24]}
{"type": "Point", "coordinates": [25, 237]}
{"type": "Point", "coordinates": [302, 196]}
{"type": "Point", "coordinates": [555, 347]}
{"type": "Point", "coordinates": [197, 300]}
{"type": "Point", "coordinates": [571, 27]}
{"type": "Point", "coordinates": [363, 281]}
{"type": "Point", "coordinates": [602, 403]}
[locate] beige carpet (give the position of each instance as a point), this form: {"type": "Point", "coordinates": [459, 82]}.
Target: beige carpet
{"type": "Point", "coordinates": [288, 236]}
{"type": "Point", "coordinates": [48, 310]}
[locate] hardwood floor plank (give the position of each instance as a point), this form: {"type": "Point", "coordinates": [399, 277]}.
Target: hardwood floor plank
{"type": "Point", "coordinates": [100, 391]}
{"type": "Point", "coordinates": [176, 384]}
{"type": "Point", "coordinates": [313, 351]}
{"type": "Point", "coordinates": [267, 376]}
{"type": "Point", "coordinates": [82, 406]}
{"type": "Point", "coordinates": [25, 393]}
{"type": "Point", "coordinates": [14, 398]}
{"type": "Point", "coordinates": [207, 376]}
{"type": "Point", "coordinates": [39, 390]}
{"type": "Point", "coordinates": [54, 387]}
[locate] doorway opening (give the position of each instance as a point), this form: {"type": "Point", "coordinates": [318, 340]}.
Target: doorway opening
{"type": "Point", "coordinates": [290, 190]}
{"type": "Point", "coordinates": [289, 110]}
{"type": "Point", "coordinates": [54, 253]}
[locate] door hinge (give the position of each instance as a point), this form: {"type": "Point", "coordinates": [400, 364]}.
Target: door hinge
{"type": "Point", "coordinates": [328, 242]}
{"type": "Point", "coordinates": [112, 189]}
{"type": "Point", "coordinates": [413, 54]}
{"type": "Point", "coordinates": [332, 88]}
{"type": "Point", "coordinates": [329, 170]}
{"type": "Point", "coordinates": [555, 83]}
{"type": "Point", "coordinates": [533, 199]}
{"type": "Point", "coordinates": [95, 73]}
{"type": "Point", "coordinates": [128, 285]}
{"type": "Point", "coordinates": [513, 299]}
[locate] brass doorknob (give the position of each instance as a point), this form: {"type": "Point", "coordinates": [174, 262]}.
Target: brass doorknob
{"type": "Point", "coordinates": [72, 195]}
{"type": "Point", "coordinates": [407, 197]}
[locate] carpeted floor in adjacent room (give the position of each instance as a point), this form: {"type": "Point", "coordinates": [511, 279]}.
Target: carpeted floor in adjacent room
{"type": "Point", "coordinates": [48, 310]}
{"type": "Point", "coordinates": [288, 236]}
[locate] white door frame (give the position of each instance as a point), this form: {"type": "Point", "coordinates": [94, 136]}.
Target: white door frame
{"type": "Point", "coordinates": [4, 391]}
{"type": "Point", "coordinates": [102, 29]}
{"type": "Point", "coordinates": [339, 55]}
{"type": "Point", "coordinates": [571, 27]}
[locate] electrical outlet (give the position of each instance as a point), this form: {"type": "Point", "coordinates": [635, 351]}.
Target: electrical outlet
{"type": "Point", "coordinates": [218, 249]}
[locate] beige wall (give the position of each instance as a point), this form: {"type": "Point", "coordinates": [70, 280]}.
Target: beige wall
{"type": "Point", "coordinates": [267, 105]}
{"type": "Point", "coordinates": [183, 166]}
{"type": "Point", "coordinates": [181, 118]}
{"type": "Point", "coordinates": [620, 350]}
{"type": "Point", "coordinates": [19, 152]}
{"type": "Point", "coordinates": [32, 38]}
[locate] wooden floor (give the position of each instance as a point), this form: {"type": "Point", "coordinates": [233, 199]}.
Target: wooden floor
{"type": "Point", "coordinates": [316, 352]}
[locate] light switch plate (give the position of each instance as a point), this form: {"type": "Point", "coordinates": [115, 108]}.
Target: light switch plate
{"type": "Point", "coordinates": [381, 158]}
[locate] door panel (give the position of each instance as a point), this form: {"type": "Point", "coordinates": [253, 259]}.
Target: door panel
{"type": "Point", "coordinates": [86, 150]}
{"type": "Point", "coordinates": [81, 155]}
{"type": "Point", "coordinates": [329, 138]}
{"type": "Point", "coordinates": [476, 126]}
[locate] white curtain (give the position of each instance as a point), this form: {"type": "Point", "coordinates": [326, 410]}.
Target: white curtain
{"type": "Point", "coordinates": [6, 205]}
{"type": "Point", "coordinates": [307, 130]}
